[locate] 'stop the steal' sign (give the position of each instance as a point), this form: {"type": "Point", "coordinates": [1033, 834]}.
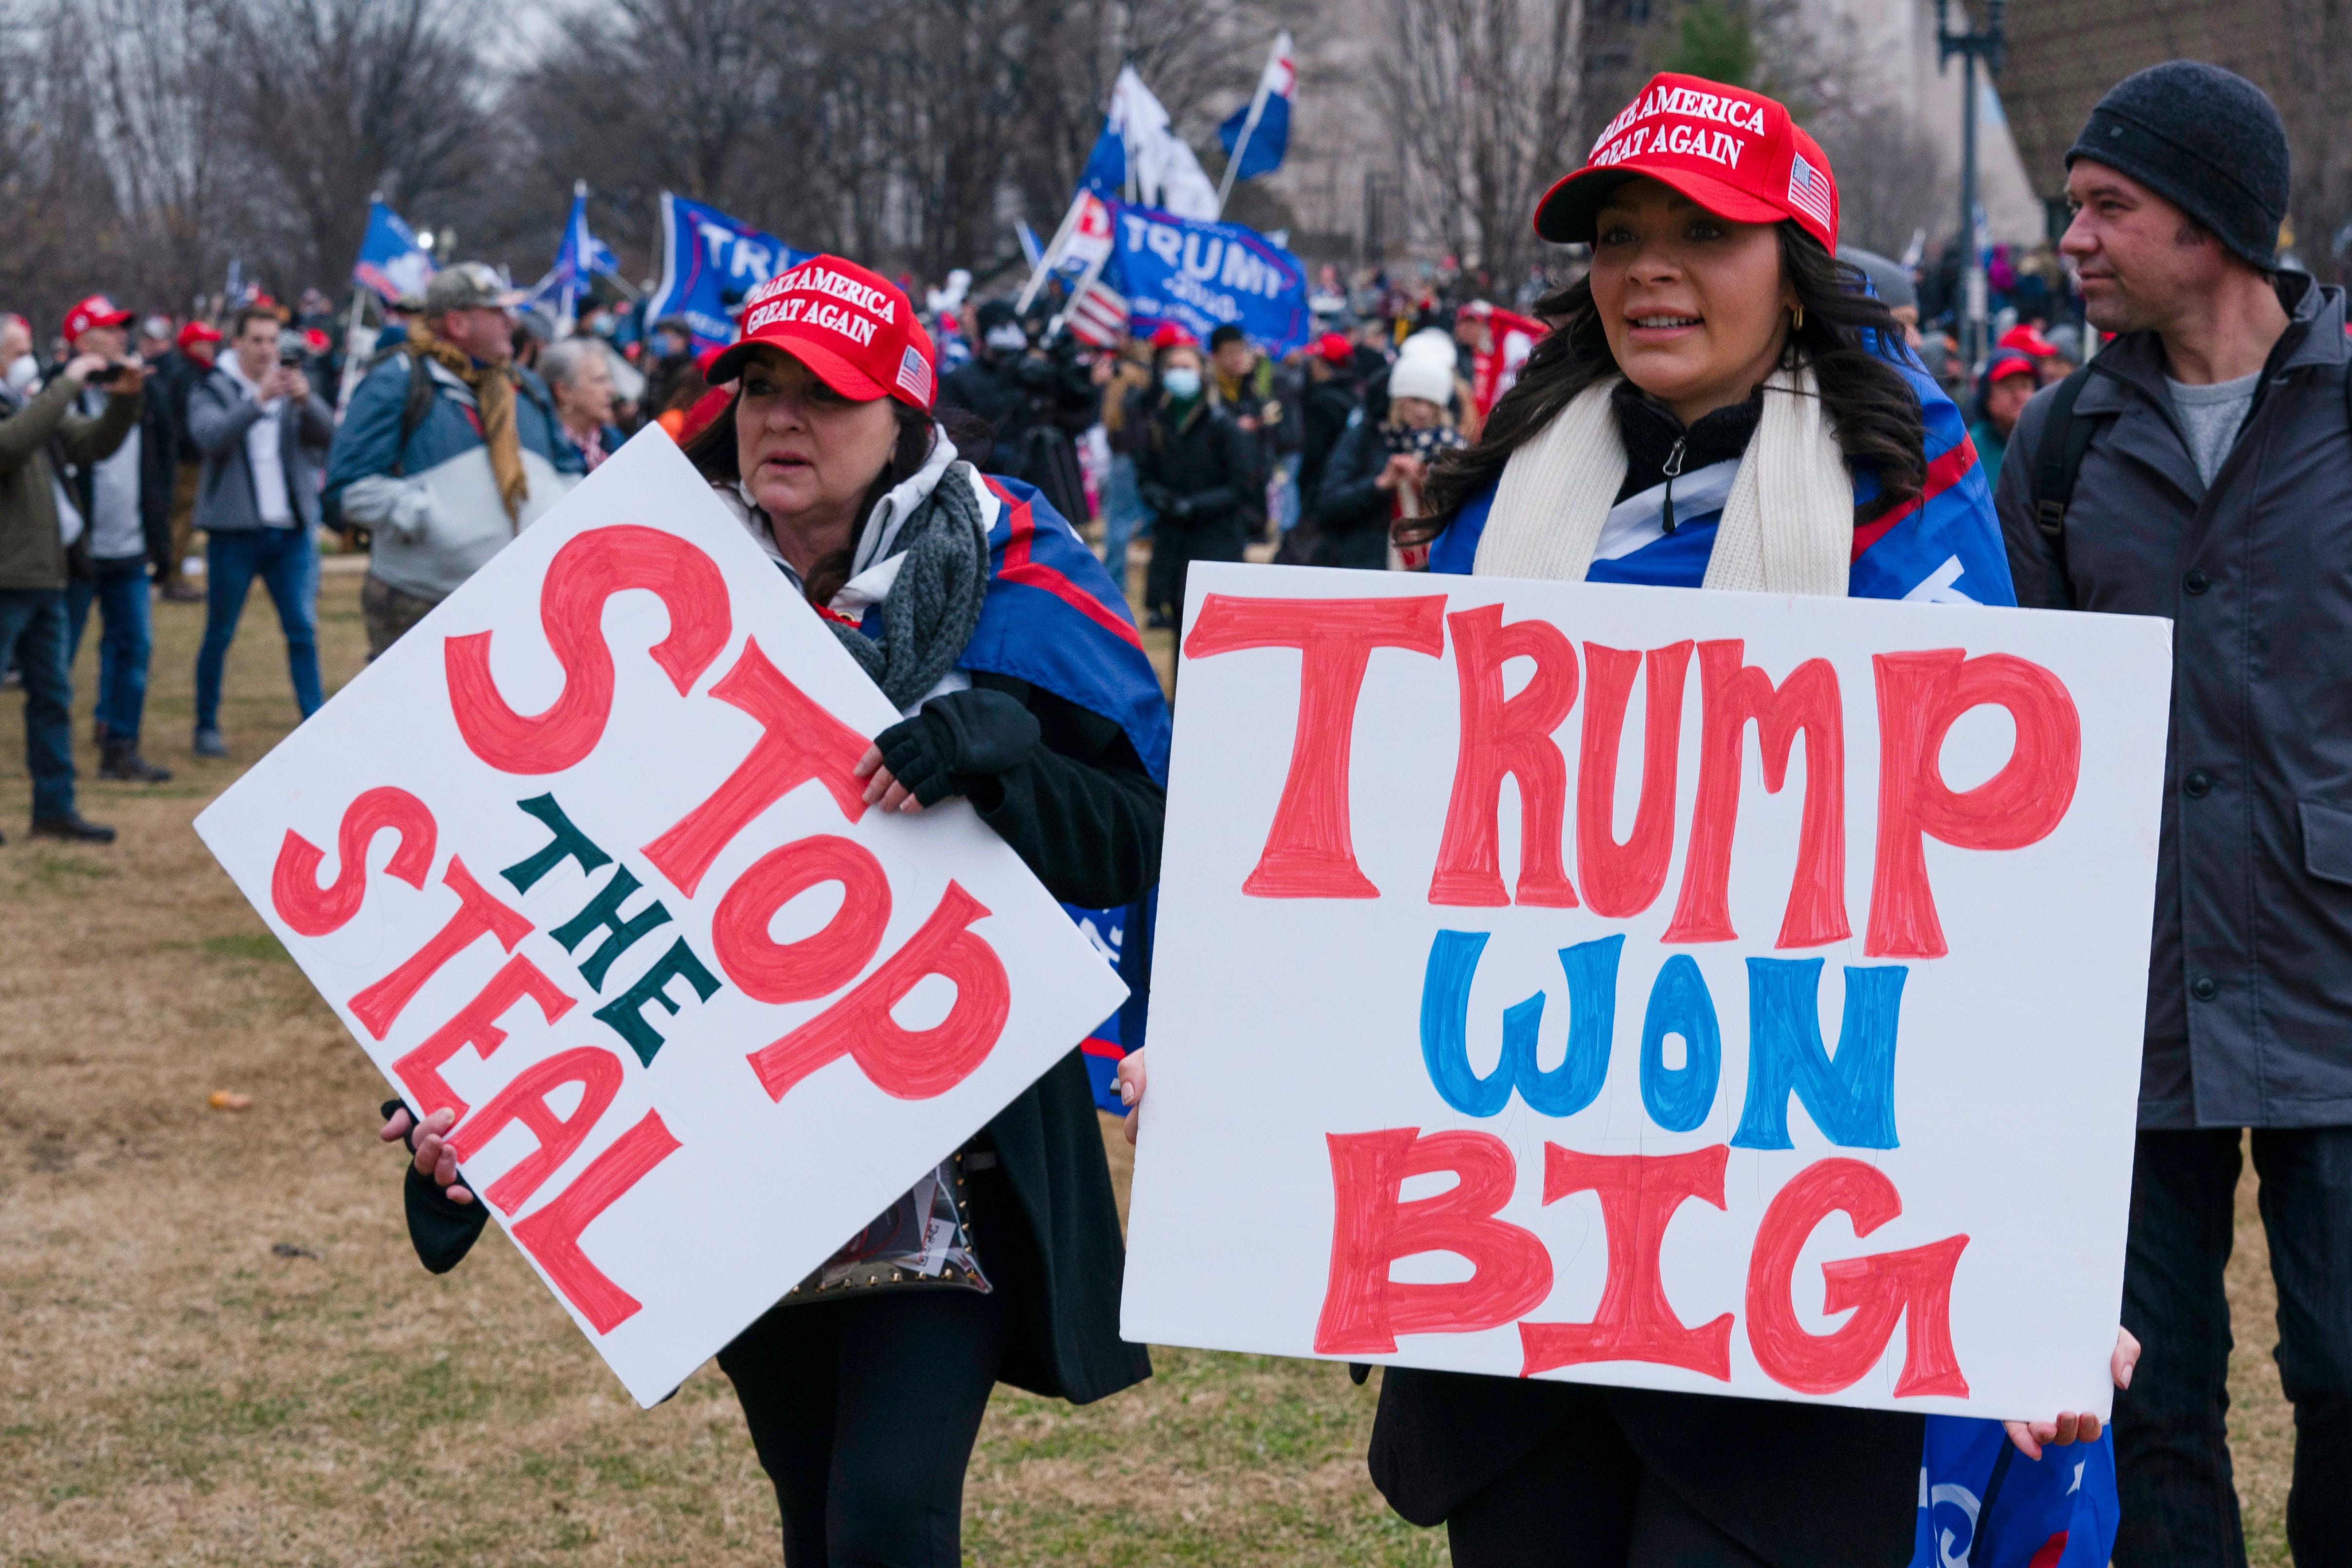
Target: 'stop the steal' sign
{"type": "Point", "coordinates": [581, 858]}
{"type": "Point", "coordinates": [1713, 992]}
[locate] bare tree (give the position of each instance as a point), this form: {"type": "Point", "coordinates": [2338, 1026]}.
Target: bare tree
{"type": "Point", "coordinates": [342, 97]}
{"type": "Point", "coordinates": [1481, 96]}
{"type": "Point", "coordinates": [160, 73]}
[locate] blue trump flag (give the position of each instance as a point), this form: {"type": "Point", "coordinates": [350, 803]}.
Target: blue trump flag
{"type": "Point", "coordinates": [1985, 1504]}
{"type": "Point", "coordinates": [1202, 276]}
{"type": "Point", "coordinates": [709, 261]}
{"type": "Point", "coordinates": [390, 261]}
{"type": "Point", "coordinates": [1261, 128]}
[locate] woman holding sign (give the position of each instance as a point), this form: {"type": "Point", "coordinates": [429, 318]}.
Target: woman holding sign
{"type": "Point", "coordinates": [1714, 410]}
{"type": "Point", "coordinates": [1026, 690]}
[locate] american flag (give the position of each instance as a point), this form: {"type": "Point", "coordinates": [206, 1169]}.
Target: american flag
{"type": "Point", "coordinates": [1810, 192]}
{"type": "Point", "coordinates": [1098, 315]}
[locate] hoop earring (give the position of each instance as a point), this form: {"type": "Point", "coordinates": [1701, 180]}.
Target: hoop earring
{"type": "Point", "coordinates": [1799, 324]}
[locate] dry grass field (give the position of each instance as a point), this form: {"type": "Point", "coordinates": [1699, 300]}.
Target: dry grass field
{"type": "Point", "coordinates": [218, 1348]}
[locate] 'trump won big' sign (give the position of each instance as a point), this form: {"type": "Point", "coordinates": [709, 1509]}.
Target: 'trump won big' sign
{"type": "Point", "coordinates": [582, 859]}
{"type": "Point", "coordinates": [1705, 991]}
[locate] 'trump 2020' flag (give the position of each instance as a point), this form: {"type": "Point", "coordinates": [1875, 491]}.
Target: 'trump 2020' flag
{"type": "Point", "coordinates": [1261, 128]}
{"type": "Point", "coordinates": [709, 261]}
{"type": "Point", "coordinates": [1202, 276]}
{"type": "Point", "coordinates": [390, 261]}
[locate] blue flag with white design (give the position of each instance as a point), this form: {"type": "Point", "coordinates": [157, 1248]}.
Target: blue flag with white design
{"type": "Point", "coordinates": [580, 257]}
{"type": "Point", "coordinates": [391, 262]}
{"type": "Point", "coordinates": [1984, 1504]}
{"type": "Point", "coordinates": [1944, 547]}
{"type": "Point", "coordinates": [709, 261]}
{"type": "Point", "coordinates": [1261, 128]}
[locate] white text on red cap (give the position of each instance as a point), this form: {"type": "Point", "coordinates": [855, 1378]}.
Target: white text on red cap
{"type": "Point", "coordinates": [1689, 103]}
{"type": "Point", "coordinates": [820, 280]}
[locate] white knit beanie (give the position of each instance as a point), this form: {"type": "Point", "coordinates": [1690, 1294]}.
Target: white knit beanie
{"type": "Point", "coordinates": [1424, 368]}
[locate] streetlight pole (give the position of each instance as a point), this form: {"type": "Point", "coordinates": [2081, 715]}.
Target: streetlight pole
{"type": "Point", "coordinates": [1990, 45]}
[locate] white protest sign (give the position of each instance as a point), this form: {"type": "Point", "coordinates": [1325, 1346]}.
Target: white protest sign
{"type": "Point", "coordinates": [1721, 992]}
{"type": "Point", "coordinates": [582, 856]}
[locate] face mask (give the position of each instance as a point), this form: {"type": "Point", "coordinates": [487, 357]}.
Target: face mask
{"type": "Point", "coordinates": [1181, 383]}
{"type": "Point", "coordinates": [24, 373]}
{"type": "Point", "coordinates": [1006, 337]}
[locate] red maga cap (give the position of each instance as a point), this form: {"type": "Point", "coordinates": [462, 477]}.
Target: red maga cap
{"type": "Point", "coordinates": [855, 329]}
{"type": "Point", "coordinates": [97, 310]}
{"type": "Point", "coordinates": [1735, 152]}
{"type": "Point", "coordinates": [2026, 337]}
{"type": "Point", "coordinates": [197, 332]}
{"type": "Point", "coordinates": [2008, 362]}
{"type": "Point", "coordinates": [1333, 349]}
{"type": "Point", "coordinates": [1172, 336]}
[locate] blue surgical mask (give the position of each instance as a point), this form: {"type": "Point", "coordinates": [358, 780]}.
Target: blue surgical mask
{"type": "Point", "coordinates": [1181, 383]}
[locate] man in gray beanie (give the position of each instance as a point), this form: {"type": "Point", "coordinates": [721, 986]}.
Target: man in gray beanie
{"type": "Point", "coordinates": [2201, 468]}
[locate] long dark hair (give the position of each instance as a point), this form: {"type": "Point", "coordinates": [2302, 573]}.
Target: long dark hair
{"type": "Point", "coordinates": [713, 452]}
{"type": "Point", "coordinates": [1872, 410]}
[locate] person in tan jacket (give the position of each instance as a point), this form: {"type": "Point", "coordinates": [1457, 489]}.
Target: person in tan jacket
{"type": "Point", "coordinates": [39, 543]}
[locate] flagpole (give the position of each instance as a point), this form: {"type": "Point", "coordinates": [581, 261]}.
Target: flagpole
{"type": "Point", "coordinates": [1241, 144]}
{"type": "Point", "coordinates": [1086, 281]}
{"type": "Point", "coordinates": [1045, 256]}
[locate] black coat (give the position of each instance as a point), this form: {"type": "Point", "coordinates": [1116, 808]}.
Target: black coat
{"type": "Point", "coordinates": [1351, 512]}
{"type": "Point", "coordinates": [1195, 473]}
{"type": "Point", "coordinates": [1017, 394]}
{"type": "Point", "coordinates": [1801, 1486]}
{"type": "Point", "coordinates": [2250, 980]}
{"type": "Point", "coordinates": [1084, 816]}
{"type": "Point", "coordinates": [1328, 407]}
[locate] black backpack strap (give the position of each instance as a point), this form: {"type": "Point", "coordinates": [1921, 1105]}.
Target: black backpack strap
{"type": "Point", "coordinates": [415, 410]}
{"type": "Point", "coordinates": [2057, 463]}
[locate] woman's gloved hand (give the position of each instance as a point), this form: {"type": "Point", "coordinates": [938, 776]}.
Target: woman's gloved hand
{"type": "Point", "coordinates": [1156, 497]}
{"type": "Point", "coordinates": [944, 749]}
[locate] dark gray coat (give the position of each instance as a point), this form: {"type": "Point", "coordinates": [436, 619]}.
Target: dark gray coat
{"type": "Point", "coordinates": [219, 415]}
{"type": "Point", "coordinates": [2250, 980]}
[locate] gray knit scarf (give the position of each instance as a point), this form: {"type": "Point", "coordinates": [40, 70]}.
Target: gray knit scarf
{"type": "Point", "coordinates": [933, 604]}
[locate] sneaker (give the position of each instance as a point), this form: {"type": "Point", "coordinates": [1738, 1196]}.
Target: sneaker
{"type": "Point", "coordinates": [72, 827]}
{"type": "Point", "coordinates": [210, 744]}
{"type": "Point", "coordinates": [120, 761]}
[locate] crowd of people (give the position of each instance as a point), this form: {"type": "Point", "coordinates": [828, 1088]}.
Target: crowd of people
{"type": "Point", "coordinates": [2178, 404]}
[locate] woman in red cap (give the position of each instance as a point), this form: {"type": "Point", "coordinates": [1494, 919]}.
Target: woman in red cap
{"type": "Point", "coordinates": [1714, 410]}
{"type": "Point", "coordinates": [985, 619]}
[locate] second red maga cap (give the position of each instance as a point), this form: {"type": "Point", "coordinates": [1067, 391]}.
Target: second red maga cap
{"type": "Point", "coordinates": [855, 328]}
{"type": "Point", "coordinates": [1735, 152]}
{"type": "Point", "coordinates": [97, 310]}
{"type": "Point", "coordinates": [197, 331]}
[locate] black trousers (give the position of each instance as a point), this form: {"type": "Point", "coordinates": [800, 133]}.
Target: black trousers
{"type": "Point", "coordinates": [863, 1414]}
{"type": "Point", "coordinates": [1582, 1498]}
{"type": "Point", "coordinates": [2172, 1451]}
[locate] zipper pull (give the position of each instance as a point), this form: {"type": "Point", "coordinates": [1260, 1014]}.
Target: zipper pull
{"type": "Point", "coordinates": [1673, 471]}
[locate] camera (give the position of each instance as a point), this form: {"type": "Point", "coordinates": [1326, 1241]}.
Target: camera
{"type": "Point", "coordinates": [290, 348]}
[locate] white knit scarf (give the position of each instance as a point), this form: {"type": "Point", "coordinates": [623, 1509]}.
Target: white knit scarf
{"type": "Point", "coordinates": [1787, 529]}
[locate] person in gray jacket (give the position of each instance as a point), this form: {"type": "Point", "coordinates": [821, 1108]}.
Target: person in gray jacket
{"type": "Point", "coordinates": [263, 433]}
{"type": "Point", "coordinates": [447, 451]}
{"type": "Point", "coordinates": [2212, 452]}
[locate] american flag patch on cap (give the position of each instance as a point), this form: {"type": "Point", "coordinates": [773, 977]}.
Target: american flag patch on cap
{"type": "Point", "coordinates": [1809, 192]}
{"type": "Point", "coordinates": [915, 375]}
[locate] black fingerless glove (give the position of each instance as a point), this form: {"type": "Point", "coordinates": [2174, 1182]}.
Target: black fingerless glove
{"type": "Point", "coordinates": [441, 1230]}
{"type": "Point", "coordinates": [958, 742]}
{"type": "Point", "coordinates": [1156, 497]}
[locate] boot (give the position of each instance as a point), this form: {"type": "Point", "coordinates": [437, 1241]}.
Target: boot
{"type": "Point", "coordinates": [210, 744]}
{"type": "Point", "coordinates": [73, 828]}
{"type": "Point", "coordinates": [120, 761]}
